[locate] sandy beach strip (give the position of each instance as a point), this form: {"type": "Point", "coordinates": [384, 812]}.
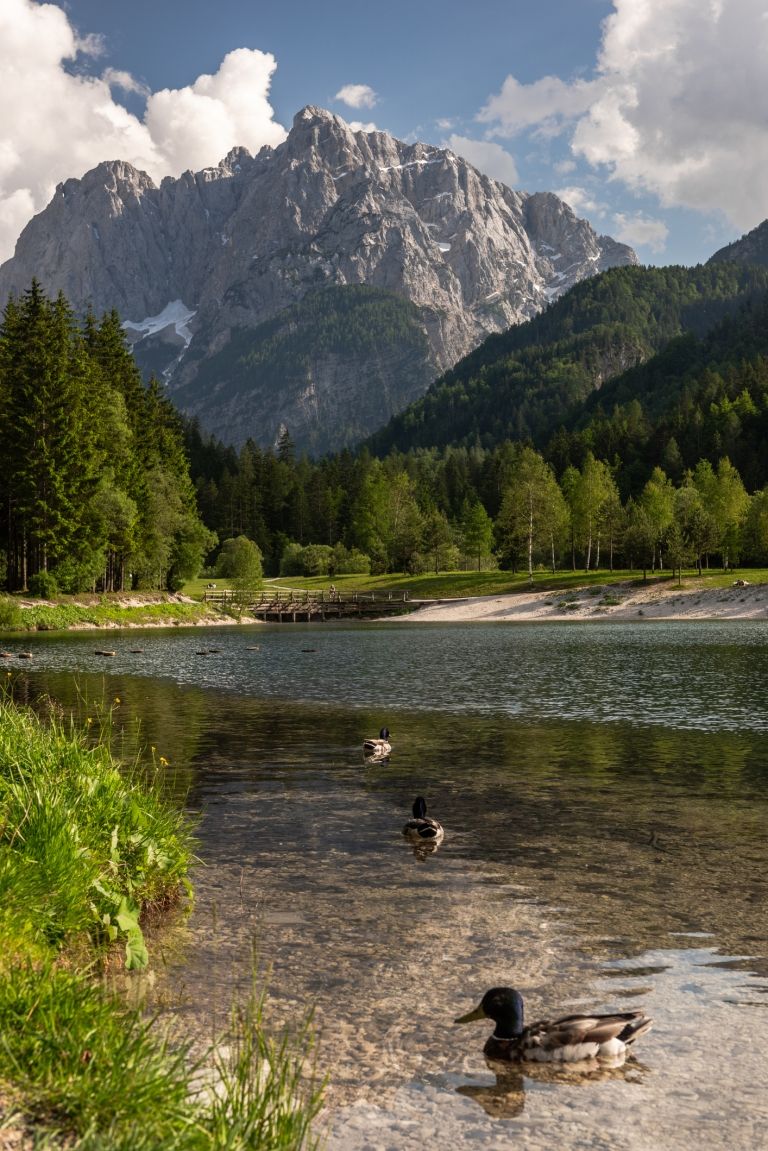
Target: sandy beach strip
{"type": "Point", "coordinates": [615, 601]}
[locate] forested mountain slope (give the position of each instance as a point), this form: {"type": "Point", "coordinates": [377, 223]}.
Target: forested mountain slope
{"type": "Point", "coordinates": [311, 356]}
{"type": "Point", "coordinates": [527, 382]}
{"type": "Point", "coordinates": [750, 249]}
{"type": "Point", "coordinates": [702, 397]}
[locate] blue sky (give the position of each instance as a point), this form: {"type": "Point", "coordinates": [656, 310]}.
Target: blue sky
{"type": "Point", "coordinates": [649, 116]}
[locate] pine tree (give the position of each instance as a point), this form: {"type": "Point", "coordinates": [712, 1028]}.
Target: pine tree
{"type": "Point", "coordinates": [49, 451]}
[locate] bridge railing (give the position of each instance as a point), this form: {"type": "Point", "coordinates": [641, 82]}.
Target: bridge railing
{"type": "Point", "coordinates": [292, 598]}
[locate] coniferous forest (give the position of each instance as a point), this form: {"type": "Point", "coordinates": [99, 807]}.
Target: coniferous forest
{"type": "Point", "coordinates": [624, 427]}
{"type": "Point", "coordinates": [96, 490]}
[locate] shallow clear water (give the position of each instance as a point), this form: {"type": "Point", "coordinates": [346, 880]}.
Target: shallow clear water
{"type": "Point", "coordinates": [604, 790]}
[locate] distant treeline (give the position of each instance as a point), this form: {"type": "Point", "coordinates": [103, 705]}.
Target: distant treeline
{"type": "Point", "coordinates": [429, 510]}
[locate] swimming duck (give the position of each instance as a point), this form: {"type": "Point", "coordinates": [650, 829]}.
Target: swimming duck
{"type": "Point", "coordinates": [565, 1040]}
{"type": "Point", "coordinates": [421, 829]}
{"type": "Point", "coordinates": [378, 748]}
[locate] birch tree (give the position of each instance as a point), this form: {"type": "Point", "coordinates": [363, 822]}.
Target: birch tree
{"type": "Point", "coordinates": [532, 512]}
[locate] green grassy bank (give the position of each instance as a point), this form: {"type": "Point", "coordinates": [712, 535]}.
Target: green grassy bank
{"type": "Point", "coordinates": [87, 854]}
{"type": "Point", "coordinates": [101, 612]}
{"type": "Point", "coordinates": [458, 585]}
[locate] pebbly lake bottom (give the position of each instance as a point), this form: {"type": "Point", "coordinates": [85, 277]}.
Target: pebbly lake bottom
{"type": "Point", "coordinates": [593, 862]}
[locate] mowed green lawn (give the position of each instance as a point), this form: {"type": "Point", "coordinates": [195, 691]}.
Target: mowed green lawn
{"type": "Point", "coordinates": [458, 585]}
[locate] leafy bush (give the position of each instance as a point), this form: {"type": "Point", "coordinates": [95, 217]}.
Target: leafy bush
{"type": "Point", "coordinates": [77, 575]}
{"type": "Point", "coordinates": [316, 559]}
{"type": "Point", "coordinates": [354, 562]}
{"type": "Point", "coordinates": [290, 561]}
{"type": "Point", "coordinates": [320, 559]}
{"type": "Point", "coordinates": [240, 560]}
{"type": "Point", "coordinates": [43, 585]}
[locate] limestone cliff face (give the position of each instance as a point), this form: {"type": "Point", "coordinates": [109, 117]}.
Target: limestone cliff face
{"type": "Point", "coordinates": [211, 257]}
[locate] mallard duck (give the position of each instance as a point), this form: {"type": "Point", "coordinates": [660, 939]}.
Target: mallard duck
{"type": "Point", "coordinates": [378, 748]}
{"type": "Point", "coordinates": [565, 1040]}
{"type": "Point", "coordinates": [421, 829]}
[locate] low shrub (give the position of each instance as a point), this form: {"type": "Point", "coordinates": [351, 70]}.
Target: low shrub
{"type": "Point", "coordinates": [43, 585]}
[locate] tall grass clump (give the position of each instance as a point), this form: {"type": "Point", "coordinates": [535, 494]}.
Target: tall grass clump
{"type": "Point", "coordinates": [257, 1089]}
{"type": "Point", "coordinates": [10, 614]}
{"type": "Point", "coordinates": [90, 848]}
{"type": "Point", "coordinates": [81, 1065]}
{"type": "Point", "coordinates": [87, 849]}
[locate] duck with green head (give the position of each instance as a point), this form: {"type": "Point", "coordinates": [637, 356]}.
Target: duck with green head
{"type": "Point", "coordinates": [378, 748]}
{"type": "Point", "coordinates": [422, 829]}
{"type": "Point", "coordinates": [569, 1039]}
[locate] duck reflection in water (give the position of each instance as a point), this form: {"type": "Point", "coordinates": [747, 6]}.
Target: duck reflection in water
{"type": "Point", "coordinates": [505, 1098]}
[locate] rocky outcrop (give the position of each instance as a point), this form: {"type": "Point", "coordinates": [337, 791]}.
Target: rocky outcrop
{"type": "Point", "coordinates": [210, 258]}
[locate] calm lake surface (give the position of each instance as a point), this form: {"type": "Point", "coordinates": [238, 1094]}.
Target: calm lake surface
{"type": "Point", "coordinates": [604, 793]}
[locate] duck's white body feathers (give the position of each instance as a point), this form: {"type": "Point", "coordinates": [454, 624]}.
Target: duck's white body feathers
{"type": "Point", "coordinates": [572, 1039]}
{"type": "Point", "coordinates": [378, 748]}
{"type": "Point", "coordinates": [422, 829]}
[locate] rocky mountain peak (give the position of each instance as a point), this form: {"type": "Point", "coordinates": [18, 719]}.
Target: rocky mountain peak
{"type": "Point", "coordinates": [318, 139]}
{"type": "Point", "coordinates": [115, 176]}
{"type": "Point", "coordinates": [214, 261]}
{"type": "Point", "coordinates": [236, 161]}
{"type": "Point", "coordinates": [311, 116]}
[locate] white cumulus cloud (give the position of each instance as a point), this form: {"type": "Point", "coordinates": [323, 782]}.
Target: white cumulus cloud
{"type": "Point", "coordinates": [125, 81]}
{"type": "Point", "coordinates": [55, 124]}
{"type": "Point", "coordinates": [197, 125]}
{"type": "Point", "coordinates": [357, 96]}
{"type": "Point", "coordinates": [640, 231]}
{"type": "Point", "coordinates": [546, 104]}
{"type": "Point", "coordinates": [487, 157]}
{"type": "Point", "coordinates": [678, 105]}
{"type": "Point", "coordinates": [581, 200]}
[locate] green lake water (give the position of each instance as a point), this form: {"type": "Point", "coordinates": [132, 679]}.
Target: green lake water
{"type": "Point", "coordinates": [604, 793]}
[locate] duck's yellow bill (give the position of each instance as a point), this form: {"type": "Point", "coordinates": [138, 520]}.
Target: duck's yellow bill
{"type": "Point", "coordinates": [471, 1016]}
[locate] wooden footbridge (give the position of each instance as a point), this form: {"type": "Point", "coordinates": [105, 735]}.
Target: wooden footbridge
{"type": "Point", "coordinates": [286, 606]}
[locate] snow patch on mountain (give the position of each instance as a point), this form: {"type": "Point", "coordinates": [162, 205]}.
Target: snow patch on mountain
{"type": "Point", "coordinates": [175, 314]}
